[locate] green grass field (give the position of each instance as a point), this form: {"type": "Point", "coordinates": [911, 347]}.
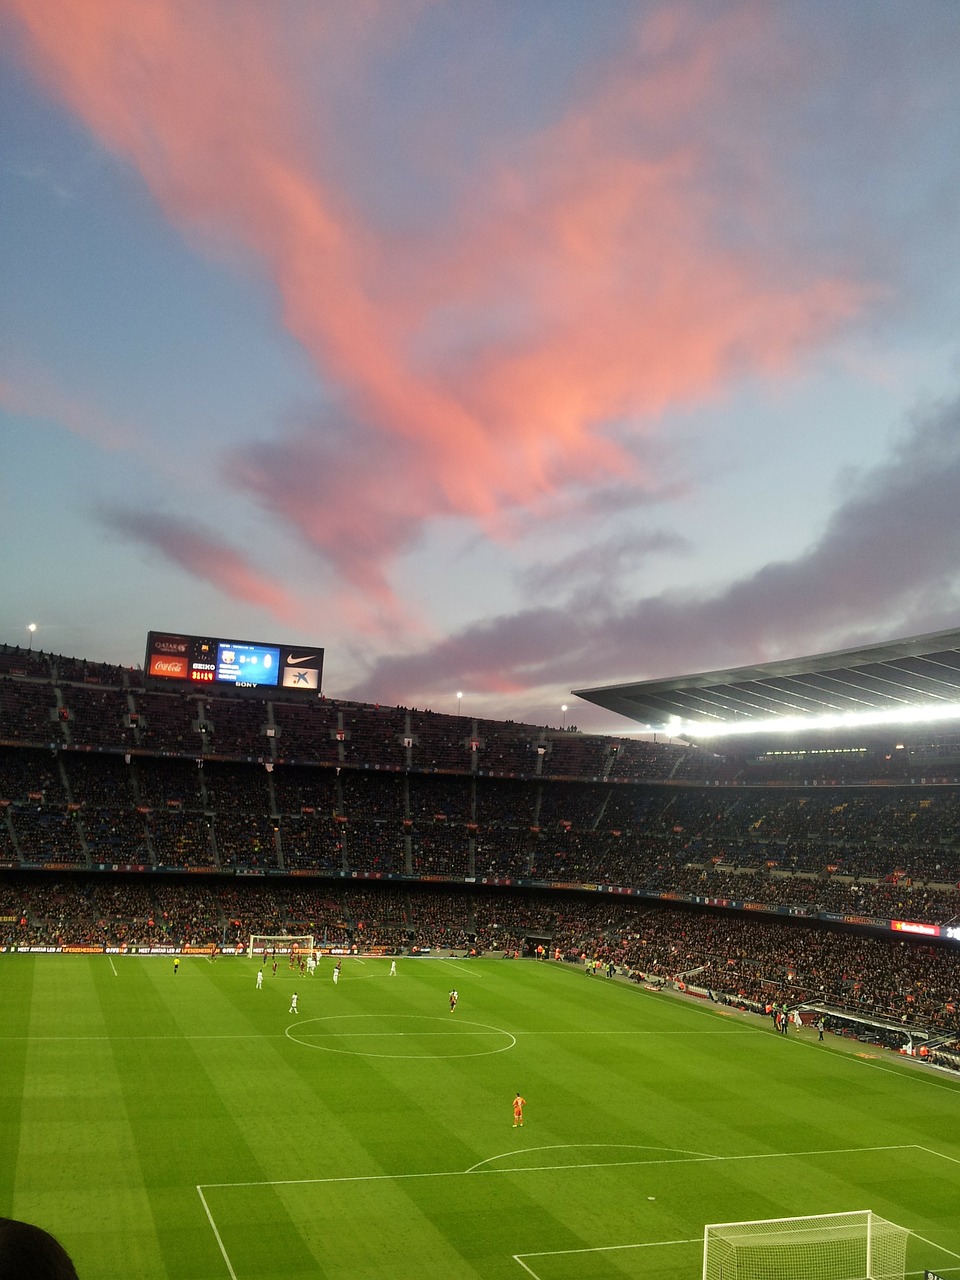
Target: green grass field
{"type": "Point", "coordinates": [188, 1127]}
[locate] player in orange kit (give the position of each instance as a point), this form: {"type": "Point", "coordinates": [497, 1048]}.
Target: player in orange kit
{"type": "Point", "coordinates": [518, 1105]}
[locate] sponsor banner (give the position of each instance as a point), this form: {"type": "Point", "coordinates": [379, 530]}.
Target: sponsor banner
{"type": "Point", "coordinates": [911, 926]}
{"type": "Point", "coordinates": [168, 668]}
{"type": "Point", "coordinates": [82, 951]}
{"type": "Point", "coordinates": [177, 646]}
{"type": "Point", "coordinates": [301, 677]}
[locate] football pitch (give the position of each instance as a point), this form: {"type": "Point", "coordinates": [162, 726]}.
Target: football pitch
{"type": "Point", "coordinates": [189, 1127]}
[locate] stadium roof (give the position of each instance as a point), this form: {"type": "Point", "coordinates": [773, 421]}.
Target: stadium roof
{"type": "Point", "coordinates": [882, 678]}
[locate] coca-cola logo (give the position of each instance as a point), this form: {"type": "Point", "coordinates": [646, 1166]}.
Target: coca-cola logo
{"type": "Point", "coordinates": [171, 668]}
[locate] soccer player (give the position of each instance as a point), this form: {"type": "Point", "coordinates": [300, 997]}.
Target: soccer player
{"type": "Point", "coordinates": [518, 1105]}
{"type": "Point", "coordinates": [259, 979]}
{"type": "Point", "coordinates": [274, 968]}
{"type": "Point", "coordinates": [336, 972]}
{"type": "Point", "coordinates": [454, 997]}
{"type": "Point", "coordinates": [293, 1004]}
{"type": "Point", "coordinates": [393, 968]}
{"type": "Point", "coordinates": [176, 964]}
{"type": "Point", "coordinates": [311, 964]}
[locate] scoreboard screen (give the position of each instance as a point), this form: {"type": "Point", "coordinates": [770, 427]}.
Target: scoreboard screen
{"type": "Point", "coordinates": [178, 661]}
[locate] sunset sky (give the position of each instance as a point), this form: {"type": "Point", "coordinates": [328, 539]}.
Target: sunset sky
{"type": "Point", "coordinates": [508, 346]}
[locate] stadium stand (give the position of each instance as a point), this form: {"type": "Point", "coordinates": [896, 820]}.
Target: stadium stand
{"type": "Point", "coordinates": [420, 830]}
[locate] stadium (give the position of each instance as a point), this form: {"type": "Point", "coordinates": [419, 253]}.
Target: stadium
{"type": "Point", "coordinates": [527, 847]}
{"type": "Point", "coordinates": [717, 956]}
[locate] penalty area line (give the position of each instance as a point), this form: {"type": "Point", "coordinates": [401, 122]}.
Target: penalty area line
{"type": "Point", "coordinates": [605, 1248]}
{"type": "Point", "coordinates": [216, 1234]}
{"type": "Point", "coordinates": [476, 1171]}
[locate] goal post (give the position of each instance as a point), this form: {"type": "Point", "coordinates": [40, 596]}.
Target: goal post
{"type": "Point", "coordinates": [283, 943]}
{"type": "Point", "coordinates": [832, 1246]}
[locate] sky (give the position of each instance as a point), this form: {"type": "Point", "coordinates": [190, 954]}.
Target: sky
{"type": "Point", "coordinates": [502, 349]}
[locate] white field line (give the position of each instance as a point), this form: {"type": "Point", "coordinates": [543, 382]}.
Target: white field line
{"type": "Point", "coordinates": [113, 967]}
{"type": "Point", "coordinates": [216, 1233]}
{"type": "Point", "coordinates": [940, 1247]}
{"type": "Point", "coordinates": [475, 1171]}
{"type": "Point", "coordinates": [714, 1011]}
{"type": "Point", "coordinates": [518, 1258]}
{"type": "Point", "coordinates": [254, 1035]}
{"type": "Point", "coordinates": [607, 1248]}
{"type": "Point", "coordinates": [598, 1146]}
{"type": "Point", "coordinates": [930, 1152]}
{"type": "Point", "coordinates": [660, 1244]}
{"type": "Point", "coordinates": [529, 1271]}
{"type": "Point", "coordinates": [904, 1073]}
{"type": "Point", "coordinates": [462, 967]}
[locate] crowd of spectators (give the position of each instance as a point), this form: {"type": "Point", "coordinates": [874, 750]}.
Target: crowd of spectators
{"type": "Point", "coordinates": [890, 852]}
{"type": "Point", "coordinates": [98, 773]}
{"type": "Point", "coordinates": [910, 982]}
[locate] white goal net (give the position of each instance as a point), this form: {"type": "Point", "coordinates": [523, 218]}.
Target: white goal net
{"type": "Point", "coordinates": [833, 1246]}
{"type": "Point", "coordinates": [283, 944]}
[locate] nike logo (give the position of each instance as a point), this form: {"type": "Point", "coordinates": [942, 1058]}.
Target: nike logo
{"type": "Point", "coordinates": [292, 661]}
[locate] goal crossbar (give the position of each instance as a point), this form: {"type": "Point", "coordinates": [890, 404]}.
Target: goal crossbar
{"type": "Point", "coordinates": [283, 943]}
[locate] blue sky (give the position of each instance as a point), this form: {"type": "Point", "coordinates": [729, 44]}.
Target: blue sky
{"type": "Point", "coordinates": [502, 348]}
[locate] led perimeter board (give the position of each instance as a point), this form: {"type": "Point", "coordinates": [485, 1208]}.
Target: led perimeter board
{"type": "Point", "coordinates": [256, 670]}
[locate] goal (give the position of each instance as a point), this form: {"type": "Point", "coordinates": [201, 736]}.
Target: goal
{"type": "Point", "coordinates": [833, 1246]}
{"type": "Point", "coordinates": [283, 943]}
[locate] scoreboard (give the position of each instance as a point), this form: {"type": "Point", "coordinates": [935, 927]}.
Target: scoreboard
{"type": "Point", "coordinates": [175, 661]}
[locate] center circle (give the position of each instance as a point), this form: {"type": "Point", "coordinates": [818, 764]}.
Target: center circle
{"type": "Point", "coordinates": [399, 1035]}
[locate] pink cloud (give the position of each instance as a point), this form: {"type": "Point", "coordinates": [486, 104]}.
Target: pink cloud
{"type": "Point", "coordinates": [580, 281]}
{"type": "Point", "coordinates": [36, 397]}
{"type": "Point", "coordinates": [205, 556]}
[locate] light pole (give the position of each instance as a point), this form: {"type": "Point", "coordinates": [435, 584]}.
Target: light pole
{"type": "Point", "coordinates": [563, 710]}
{"type": "Point", "coordinates": [459, 700]}
{"type": "Point", "coordinates": [31, 627]}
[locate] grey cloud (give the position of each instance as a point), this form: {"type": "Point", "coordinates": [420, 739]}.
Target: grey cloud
{"type": "Point", "coordinates": [887, 564]}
